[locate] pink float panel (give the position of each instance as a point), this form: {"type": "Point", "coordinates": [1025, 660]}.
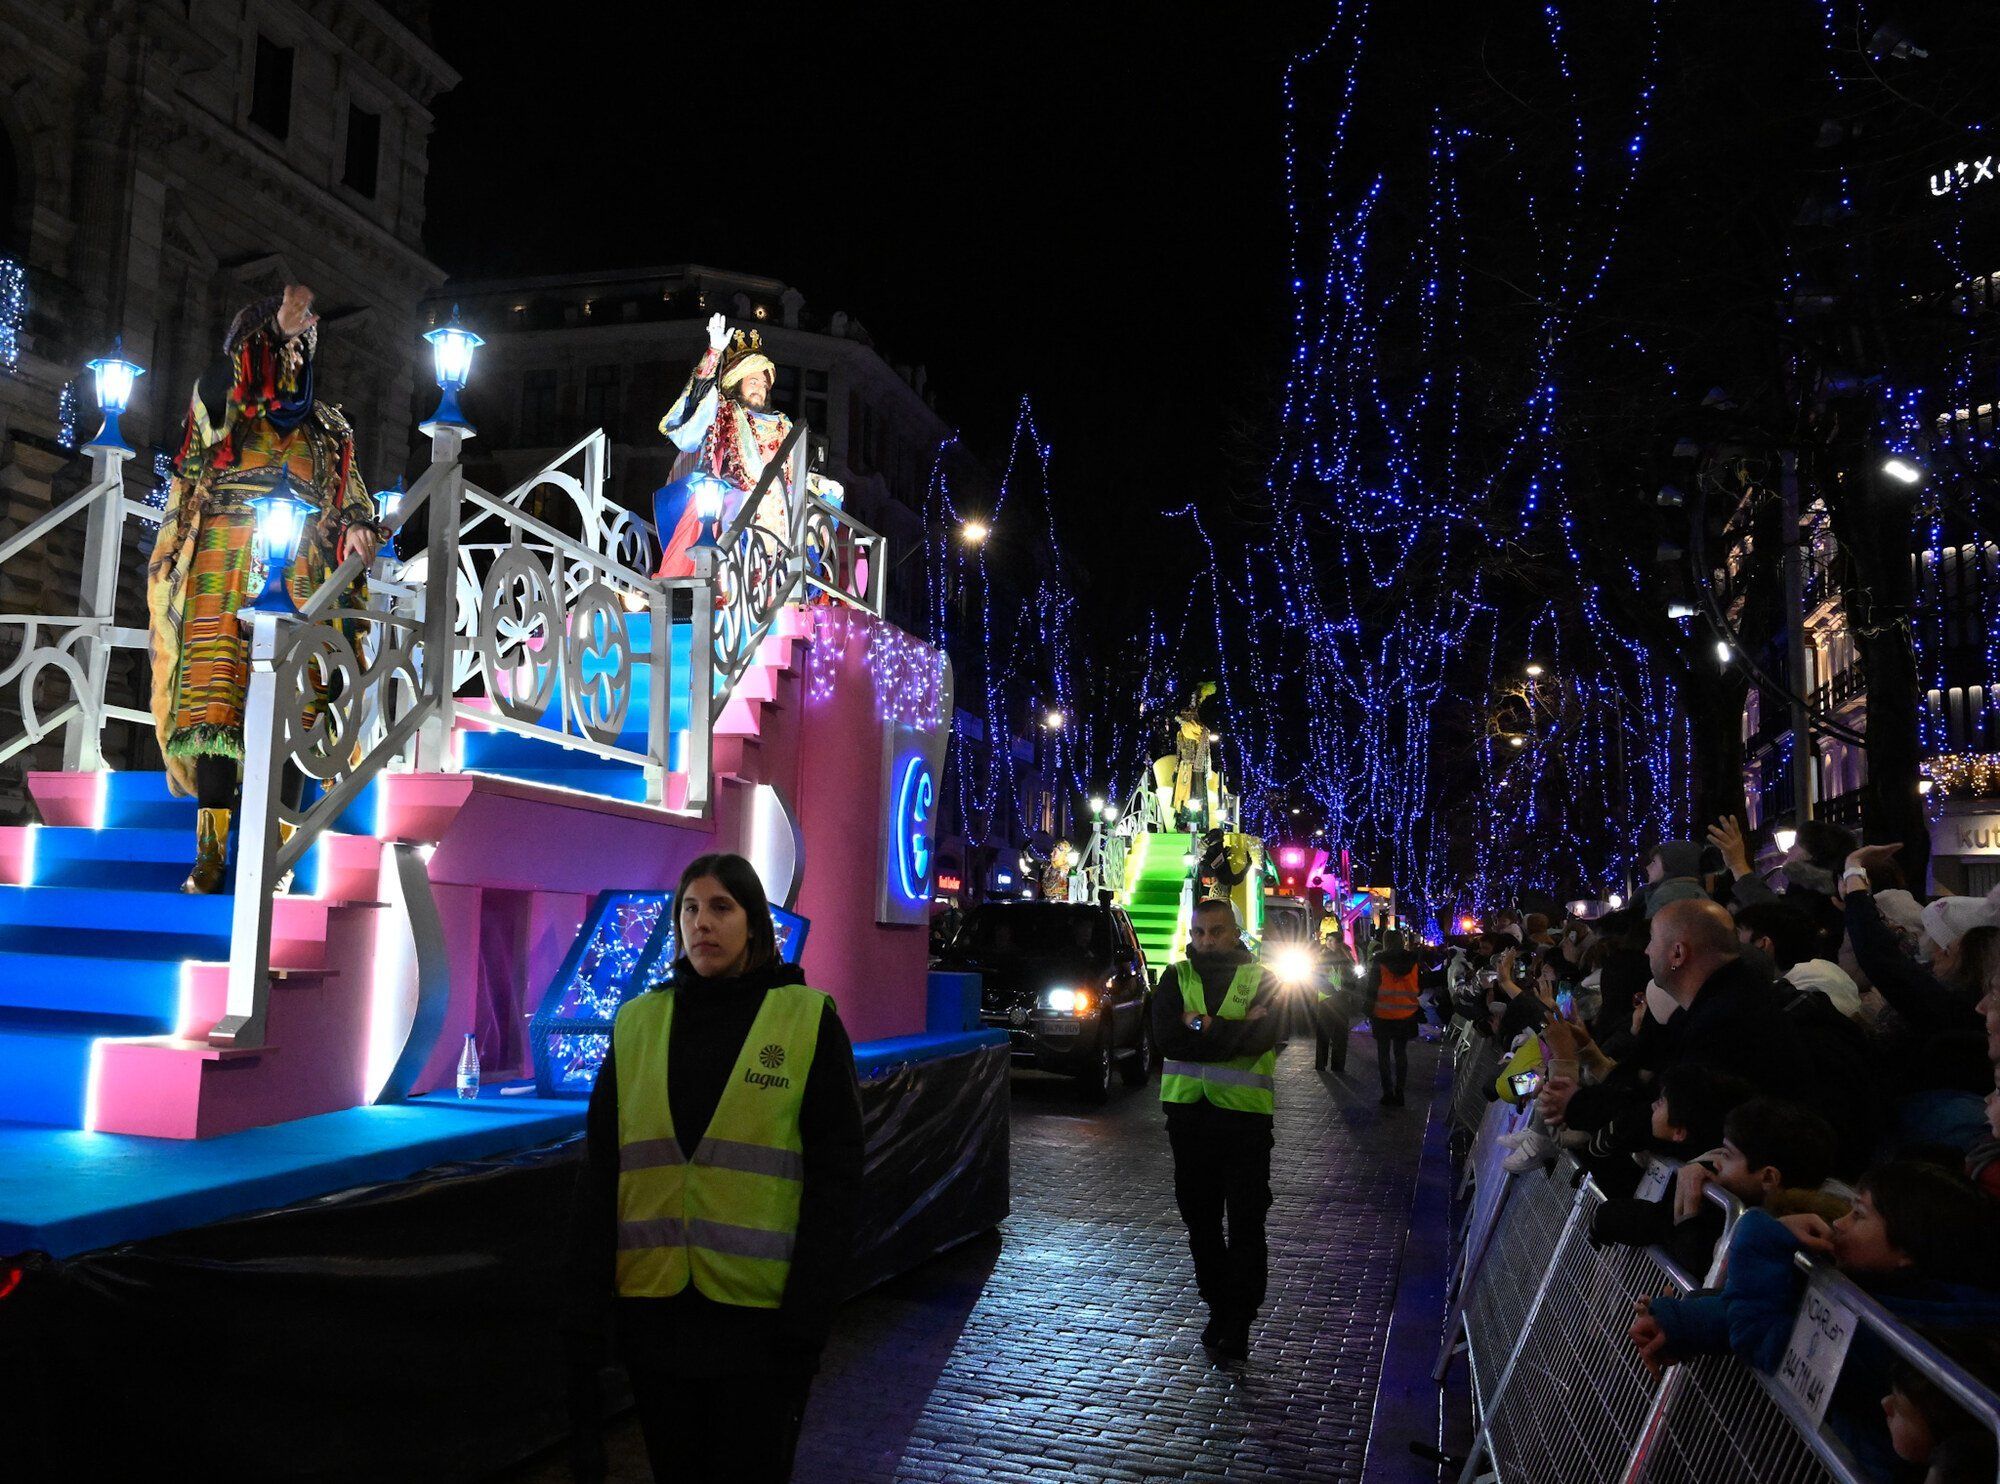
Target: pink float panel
{"type": "Point", "coordinates": [17, 855]}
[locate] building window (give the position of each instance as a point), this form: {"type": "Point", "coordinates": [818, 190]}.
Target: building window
{"type": "Point", "coordinates": [271, 89]}
{"type": "Point", "coordinates": [814, 409]}
{"type": "Point", "coordinates": [364, 151]}
{"type": "Point", "coordinates": [600, 399]}
{"type": "Point", "coordinates": [538, 409]}
{"type": "Point", "coordinates": [785, 392]}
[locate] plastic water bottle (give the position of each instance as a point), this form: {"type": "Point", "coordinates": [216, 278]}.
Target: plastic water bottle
{"type": "Point", "coordinates": [468, 1068]}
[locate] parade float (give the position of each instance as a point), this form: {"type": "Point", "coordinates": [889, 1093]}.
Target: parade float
{"type": "Point", "coordinates": [240, 1189]}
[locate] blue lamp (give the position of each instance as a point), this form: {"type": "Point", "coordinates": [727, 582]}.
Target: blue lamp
{"type": "Point", "coordinates": [387, 502]}
{"type": "Point", "coordinates": [710, 494]}
{"type": "Point", "coordinates": [114, 376]}
{"type": "Point", "coordinates": [281, 520]}
{"type": "Point", "coordinates": [452, 346]}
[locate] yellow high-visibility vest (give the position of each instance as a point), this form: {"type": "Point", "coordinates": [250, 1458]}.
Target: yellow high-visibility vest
{"type": "Point", "coordinates": [1242, 1084]}
{"type": "Point", "coordinates": [727, 1217]}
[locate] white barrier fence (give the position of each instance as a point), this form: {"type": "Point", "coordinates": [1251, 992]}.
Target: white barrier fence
{"type": "Point", "coordinates": [1541, 1317]}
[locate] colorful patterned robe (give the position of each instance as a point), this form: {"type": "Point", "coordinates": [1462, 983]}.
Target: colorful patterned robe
{"type": "Point", "coordinates": [729, 440]}
{"type": "Point", "coordinates": [204, 566]}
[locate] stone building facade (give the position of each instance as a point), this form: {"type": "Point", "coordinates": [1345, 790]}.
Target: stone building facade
{"type": "Point", "coordinates": [161, 164]}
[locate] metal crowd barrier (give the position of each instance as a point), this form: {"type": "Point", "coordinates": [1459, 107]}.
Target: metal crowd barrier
{"type": "Point", "coordinates": [1473, 1069]}
{"type": "Point", "coordinates": [1559, 1392]}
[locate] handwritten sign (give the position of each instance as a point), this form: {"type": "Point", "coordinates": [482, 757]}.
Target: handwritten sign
{"type": "Point", "coordinates": [1816, 1350]}
{"type": "Point", "coordinates": [1659, 1175]}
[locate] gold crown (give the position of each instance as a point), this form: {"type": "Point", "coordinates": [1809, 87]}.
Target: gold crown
{"type": "Point", "coordinates": [743, 343]}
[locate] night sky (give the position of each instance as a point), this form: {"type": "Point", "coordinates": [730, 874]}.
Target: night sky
{"type": "Point", "coordinates": [1088, 211]}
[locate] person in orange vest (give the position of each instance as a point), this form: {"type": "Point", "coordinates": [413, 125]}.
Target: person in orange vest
{"type": "Point", "coordinates": [721, 1192]}
{"type": "Point", "coordinates": [1394, 1014]}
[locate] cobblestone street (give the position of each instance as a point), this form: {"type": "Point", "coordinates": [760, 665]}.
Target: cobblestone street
{"type": "Point", "coordinates": [1068, 1349]}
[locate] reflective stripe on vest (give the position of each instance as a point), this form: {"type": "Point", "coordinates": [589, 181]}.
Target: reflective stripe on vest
{"type": "Point", "coordinates": [1396, 995]}
{"type": "Point", "coordinates": [1242, 1084]}
{"type": "Point", "coordinates": [726, 1218]}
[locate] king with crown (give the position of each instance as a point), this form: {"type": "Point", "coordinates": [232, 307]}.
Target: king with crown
{"type": "Point", "coordinates": [725, 427]}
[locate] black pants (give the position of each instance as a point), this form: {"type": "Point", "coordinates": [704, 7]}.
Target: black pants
{"type": "Point", "coordinates": [740, 1428]}
{"type": "Point", "coordinates": [217, 781]}
{"type": "Point", "coordinates": [1330, 1030]}
{"type": "Point", "coordinates": [1397, 1049]}
{"type": "Point", "coordinates": [1222, 1171]}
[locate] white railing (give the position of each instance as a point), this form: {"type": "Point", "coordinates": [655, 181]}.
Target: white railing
{"type": "Point", "coordinates": [505, 620]}
{"type": "Point", "coordinates": [77, 646]}
{"type": "Point", "coordinates": [538, 627]}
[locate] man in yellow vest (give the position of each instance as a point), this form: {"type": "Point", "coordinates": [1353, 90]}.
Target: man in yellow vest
{"type": "Point", "coordinates": [1215, 1022]}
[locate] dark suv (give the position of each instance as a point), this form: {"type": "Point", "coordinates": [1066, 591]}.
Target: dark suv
{"type": "Point", "coordinates": [1067, 982]}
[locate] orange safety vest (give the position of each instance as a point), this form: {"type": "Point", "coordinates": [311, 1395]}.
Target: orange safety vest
{"type": "Point", "coordinates": [1396, 995]}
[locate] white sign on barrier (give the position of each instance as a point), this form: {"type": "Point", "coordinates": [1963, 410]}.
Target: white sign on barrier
{"type": "Point", "coordinates": [1816, 1350]}
{"type": "Point", "coordinates": [1659, 1175]}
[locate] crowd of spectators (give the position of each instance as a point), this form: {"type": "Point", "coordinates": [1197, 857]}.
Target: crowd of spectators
{"type": "Point", "coordinates": [1825, 1050]}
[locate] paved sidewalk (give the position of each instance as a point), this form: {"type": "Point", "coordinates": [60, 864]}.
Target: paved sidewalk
{"type": "Point", "coordinates": [1068, 1348]}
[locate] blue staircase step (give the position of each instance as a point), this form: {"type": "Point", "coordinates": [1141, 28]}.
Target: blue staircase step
{"type": "Point", "coordinates": [113, 911]}
{"type": "Point", "coordinates": [142, 801]}
{"type": "Point", "coordinates": [75, 942]}
{"type": "Point", "coordinates": [92, 982]}
{"type": "Point", "coordinates": [628, 784]}
{"type": "Point", "coordinates": [45, 1061]}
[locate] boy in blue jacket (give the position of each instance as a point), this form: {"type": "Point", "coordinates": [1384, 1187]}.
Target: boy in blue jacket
{"type": "Point", "coordinates": [1920, 1239]}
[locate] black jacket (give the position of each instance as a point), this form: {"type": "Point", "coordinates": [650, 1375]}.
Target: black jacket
{"type": "Point", "coordinates": [690, 1334]}
{"type": "Point", "coordinates": [1218, 1040]}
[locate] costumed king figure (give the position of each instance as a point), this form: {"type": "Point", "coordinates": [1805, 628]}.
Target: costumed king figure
{"type": "Point", "coordinates": [254, 425]}
{"type": "Point", "coordinates": [1187, 781]}
{"type": "Point", "coordinates": [724, 425]}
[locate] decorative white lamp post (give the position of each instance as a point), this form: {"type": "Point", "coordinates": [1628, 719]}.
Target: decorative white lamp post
{"type": "Point", "coordinates": [114, 376]}
{"type": "Point", "coordinates": [387, 503]}
{"type": "Point", "coordinates": [452, 346]}
{"type": "Point", "coordinates": [281, 520]}
{"type": "Point", "coordinates": [710, 495]}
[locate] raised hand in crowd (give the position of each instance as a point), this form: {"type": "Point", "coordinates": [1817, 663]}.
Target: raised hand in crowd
{"type": "Point", "coordinates": [1726, 835]}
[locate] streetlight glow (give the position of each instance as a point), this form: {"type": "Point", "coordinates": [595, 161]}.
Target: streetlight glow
{"type": "Point", "coordinates": [1053, 721]}
{"type": "Point", "coordinates": [1902, 470]}
{"type": "Point", "coordinates": [974, 532]}
{"type": "Point", "coordinates": [1534, 670]}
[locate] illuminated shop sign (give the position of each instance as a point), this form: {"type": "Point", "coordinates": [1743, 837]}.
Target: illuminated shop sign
{"type": "Point", "coordinates": [911, 827]}
{"type": "Point", "coordinates": [1963, 175]}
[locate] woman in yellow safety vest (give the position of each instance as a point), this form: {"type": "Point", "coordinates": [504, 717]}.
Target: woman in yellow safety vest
{"type": "Point", "coordinates": [716, 1212]}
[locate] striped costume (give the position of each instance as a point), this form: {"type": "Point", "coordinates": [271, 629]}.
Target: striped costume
{"type": "Point", "coordinates": [251, 421]}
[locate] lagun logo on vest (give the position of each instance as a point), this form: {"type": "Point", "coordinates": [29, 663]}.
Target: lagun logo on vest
{"type": "Point", "coordinates": [772, 1056]}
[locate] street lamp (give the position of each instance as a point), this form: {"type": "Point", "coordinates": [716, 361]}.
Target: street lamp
{"type": "Point", "coordinates": [1722, 651]}
{"type": "Point", "coordinates": [281, 519]}
{"type": "Point", "coordinates": [452, 346]}
{"type": "Point", "coordinates": [1097, 804]}
{"type": "Point", "coordinates": [974, 532]}
{"type": "Point", "coordinates": [1534, 670]}
{"type": "Point", "coordinates": [1054, 720]}
{"type": "Point", "coordinates": [114, 376]}
{"type": "Point", "coordinates": [1679, 609]}
{"type": "Point", "coordinates": [1902, 470]}
{"type": "Point", "coordinates": [1784, 838]}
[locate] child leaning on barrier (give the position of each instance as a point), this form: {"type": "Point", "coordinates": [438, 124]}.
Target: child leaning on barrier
{"type": "Point", "coordinates": [1919, 1239]}
{"type": "Point", "coordinates": [1689, 1116]}
{"type": "Point", "coordinates": [1929, 1429]}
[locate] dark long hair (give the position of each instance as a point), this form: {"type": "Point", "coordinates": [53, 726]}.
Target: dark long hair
{"type": "Point", "coordinates": [740, 879]}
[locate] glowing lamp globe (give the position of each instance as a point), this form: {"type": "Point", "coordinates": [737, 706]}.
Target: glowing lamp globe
{"type": "Point", "coordinates": [114, 377]}
{"type": "Point", "coordinates": [1784, 839]}
{"type": "Point", "coordinates": [452, 346]}
{"type": "Point", "coordinates": [281, 520]}
{"type": "Point", "coordinates": [710, 494]}
{"type": "Point", "coordinates": [387, 503]}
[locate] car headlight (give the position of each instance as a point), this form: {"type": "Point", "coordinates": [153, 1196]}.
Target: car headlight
{"type": "Point", "coordinates": [1067, 1001]}
{"type": "Point", "coordinates": [1296, 966]}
